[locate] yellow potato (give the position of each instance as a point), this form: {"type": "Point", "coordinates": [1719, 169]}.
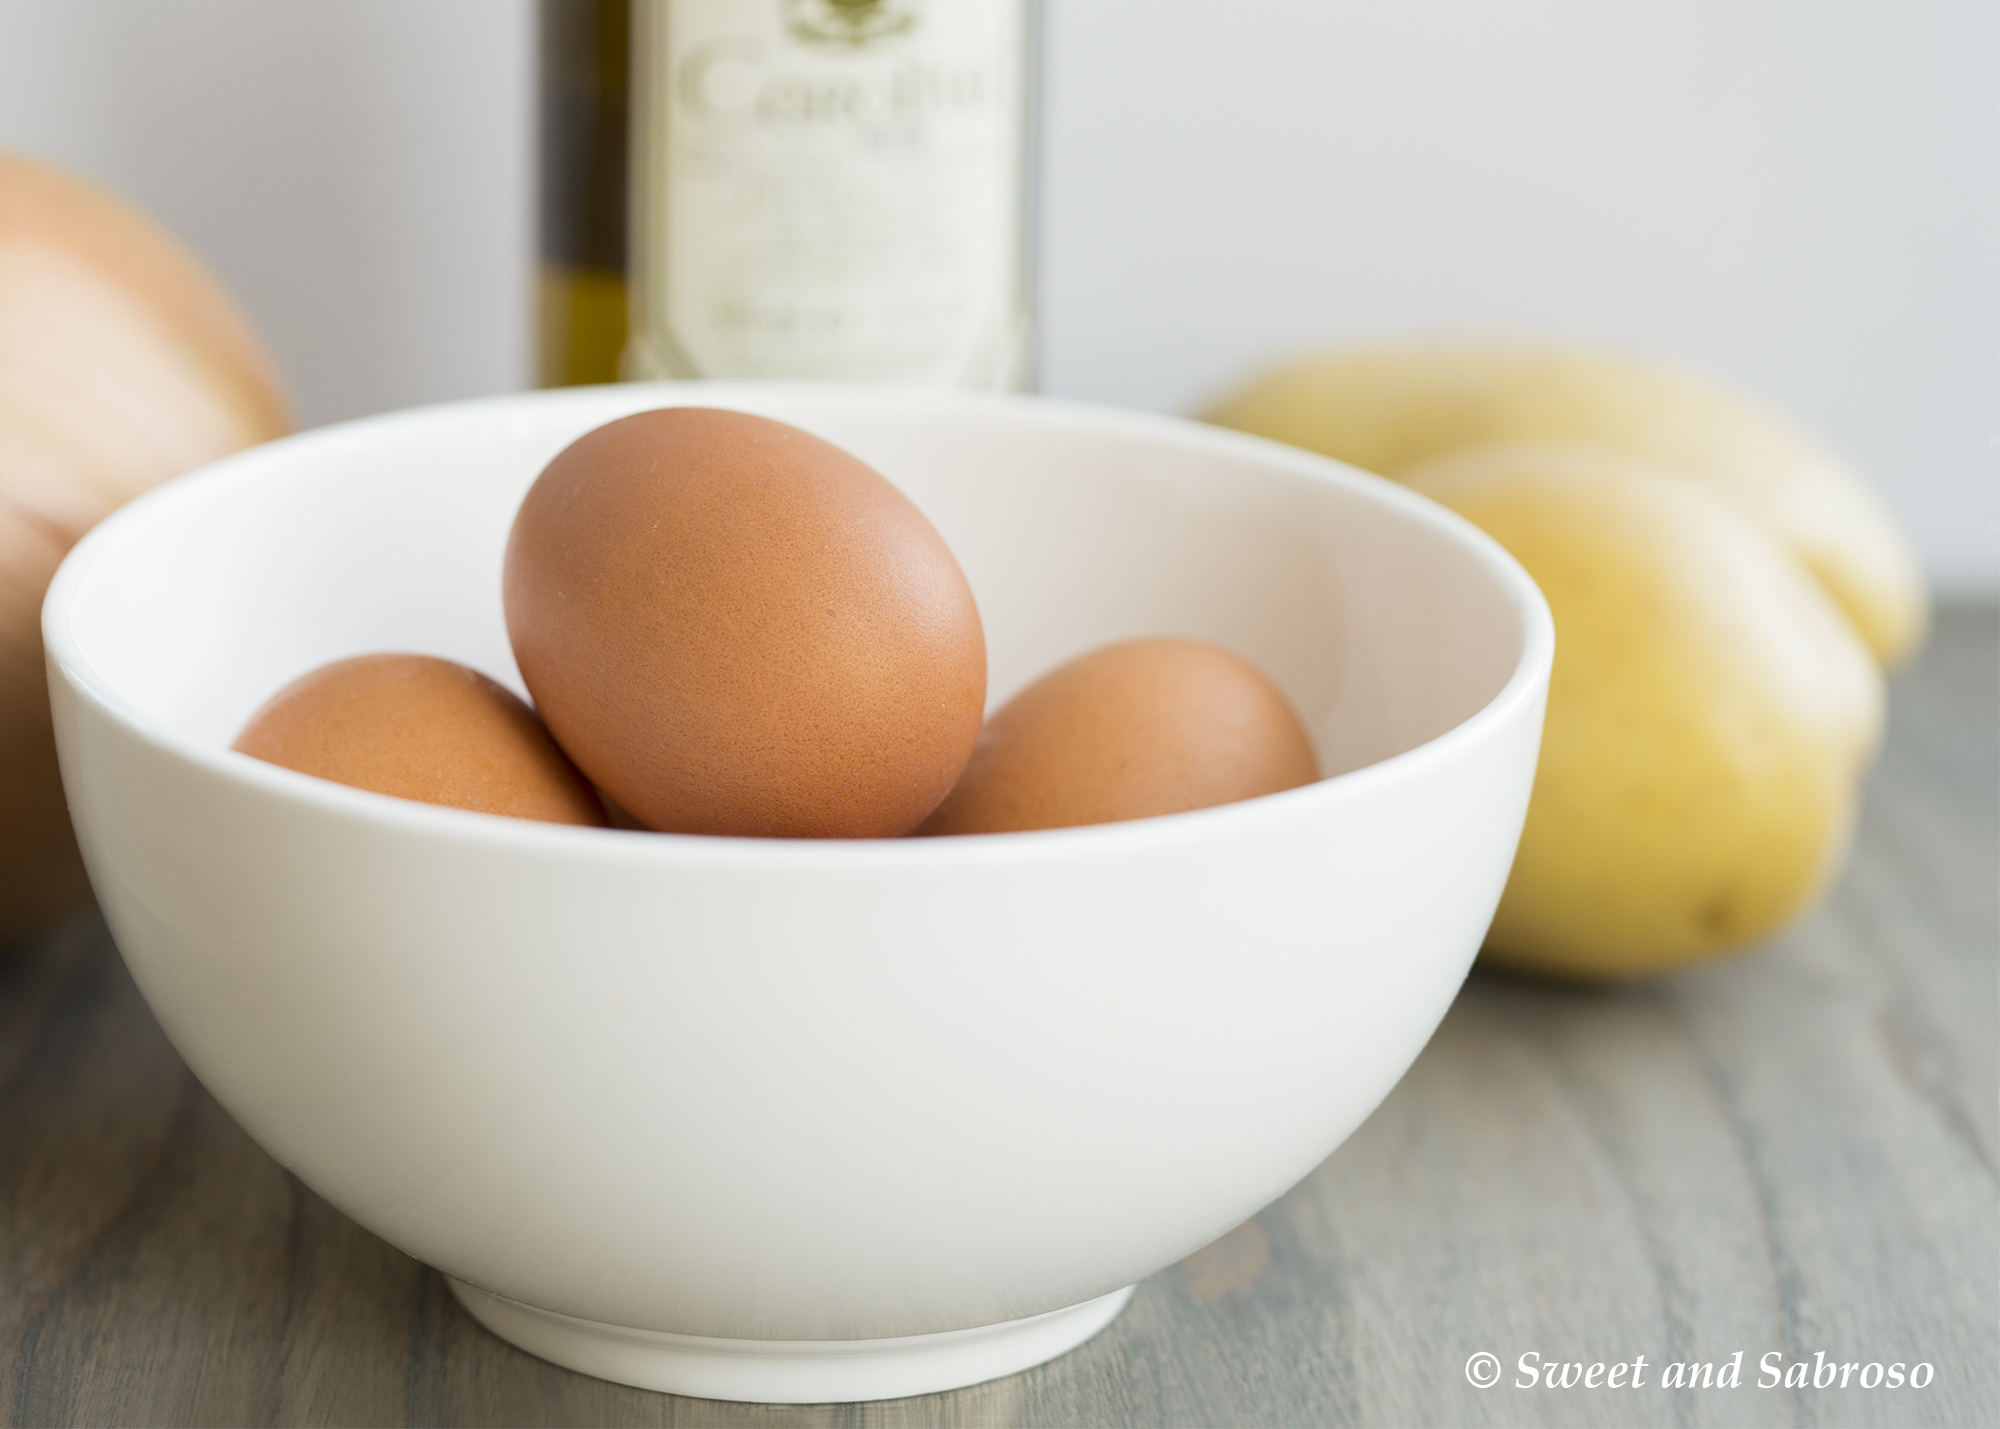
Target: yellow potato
{"type": "Point", "coordinates": [1710, 714]}
{"type": "Point", "coordinates": [1386, 408]}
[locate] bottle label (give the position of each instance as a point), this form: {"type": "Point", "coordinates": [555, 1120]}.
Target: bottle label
{"type": "Point", "coordinates": [832, 189]}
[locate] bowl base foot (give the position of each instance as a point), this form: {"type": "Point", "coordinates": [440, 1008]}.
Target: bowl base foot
{"type": "Point", "coordinates": [790, 1371]}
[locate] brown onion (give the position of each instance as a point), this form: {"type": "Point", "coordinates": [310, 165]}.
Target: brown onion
{"type": "Point", "coordinates": [122, 363]}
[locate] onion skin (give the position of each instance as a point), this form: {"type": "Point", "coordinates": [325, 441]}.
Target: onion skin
{"type": "Point", "coordinates": [123, 363]}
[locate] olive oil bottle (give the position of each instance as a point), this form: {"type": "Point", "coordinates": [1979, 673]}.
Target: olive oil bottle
{"type": "Point", "coordinates": [817, 189]}
{"type": "Point", "coordinates": [833, 189]}
{"type": "Point", "coordinates": [584, 127]}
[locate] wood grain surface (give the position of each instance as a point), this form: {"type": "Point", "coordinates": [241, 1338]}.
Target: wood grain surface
{"type": "Point", "coordinates": [1793, 1152]}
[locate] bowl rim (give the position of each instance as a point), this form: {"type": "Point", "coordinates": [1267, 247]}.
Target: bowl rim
{"type": "Point", "coordinates": [67, 661]}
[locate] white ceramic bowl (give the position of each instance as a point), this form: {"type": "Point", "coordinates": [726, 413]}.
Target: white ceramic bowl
{"type": "Point", "coordinates": [801, 1120]}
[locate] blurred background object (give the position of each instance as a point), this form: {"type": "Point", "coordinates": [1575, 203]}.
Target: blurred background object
{"type": "Point", "coordinates": [832, 190]}
{"type": "Point", "coordinates": [582, 113]}
{"type": "Point", "coordinates": [123, 364]}
{"type": "Point", "coordinates": [1799, 199]}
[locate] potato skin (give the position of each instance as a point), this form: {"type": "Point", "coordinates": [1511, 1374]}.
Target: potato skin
{"type": "Point", "coordinates": [1710, 715]}
{"type": "Point", "coordinates": [1385, 408]}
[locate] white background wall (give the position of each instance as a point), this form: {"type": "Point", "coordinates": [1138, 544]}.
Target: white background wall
{"type": "Point", "coordinates": [1799, 197]}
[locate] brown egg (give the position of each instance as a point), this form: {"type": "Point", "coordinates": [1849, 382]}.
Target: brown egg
{"type": "Point", "coordinates": [1125, 732]}
{"type": "Point", "coordinates": [425, 729]}
{"type": "Point", "coordinates": [734, 627]}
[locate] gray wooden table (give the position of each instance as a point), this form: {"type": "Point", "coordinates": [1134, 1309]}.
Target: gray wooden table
{"type": "Point", "coordinates": [1791, 1154]}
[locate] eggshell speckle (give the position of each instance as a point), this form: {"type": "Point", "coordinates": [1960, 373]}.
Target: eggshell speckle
{"type": "Point", "coordinates": [421, 728]}
{"type": "Point", "coordinates": [735, 627]}
{"type": "Point", "coordinates": [1126, 732]}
